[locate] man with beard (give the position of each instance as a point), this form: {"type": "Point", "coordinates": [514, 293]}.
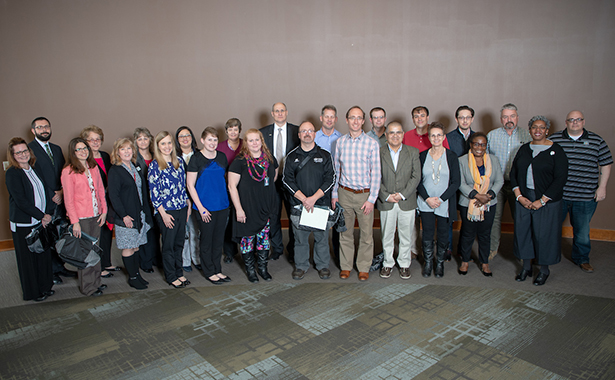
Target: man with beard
{"type": "Point", "coordinates": [49, 164]}
{"type": "Point", "coordinates": [504, 143]}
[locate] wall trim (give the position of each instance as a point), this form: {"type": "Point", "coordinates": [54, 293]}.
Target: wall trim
{"type": "Point", "coordinates": [594, 234]}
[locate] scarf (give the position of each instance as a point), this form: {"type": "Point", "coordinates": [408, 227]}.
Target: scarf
{"type": "Point", "coordinates": [481, 184]}
{"type": "Point", "coordinates": [254, 163]}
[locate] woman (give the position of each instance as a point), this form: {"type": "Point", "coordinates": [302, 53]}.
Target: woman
{"type": "Point", "coordinates": [86, 206]}
{"type": "Point", "coordinates": [186, 145]}
{"type": "Point", "coordinates": [95, 137]}
{"type": "Point", "coordinates": [30, 205]}
{"type": "Point", "coordinates": [230, 148]}
{"type": "Point", "coordinates": [537, 176]}
{"type": "Point", "coordinates": [251, 186]}
{"type": "Point", "coordinates": [481, 179]}
{"type": "Point", "coordinates": [167, 185]}
{"type": "Point", "coordinates": [128, 195]}
{"type": "Point", "coordinates": [150, 251]}
{"type": "Point", "coordinates": [207, 187]}
{"type": "Point", "coordinates": [437, 197]}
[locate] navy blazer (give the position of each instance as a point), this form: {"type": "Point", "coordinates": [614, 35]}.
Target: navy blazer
{"type": "Point", "coordinates": [454, 180]}
{"type": "Point", "coordinates": [48, 172]}
{"type": "Point", "coordinates": [124, 197]}
{"type": "Point", "coordinates": [21, 197]}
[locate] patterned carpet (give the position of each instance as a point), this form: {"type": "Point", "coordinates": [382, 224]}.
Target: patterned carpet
{"type": "Point", "coordinates": [312, 331]}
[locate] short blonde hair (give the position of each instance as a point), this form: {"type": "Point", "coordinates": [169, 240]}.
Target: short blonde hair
{"type": "Point", "coordinates": [85, 133]}
{"type": "Point", "coordinates": [117, 145]}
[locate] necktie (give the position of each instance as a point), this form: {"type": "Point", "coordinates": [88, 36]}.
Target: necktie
{"type": "Point", "coordinates": [279, 148]}
{"type": "Point", "coordinates": [49, 153]}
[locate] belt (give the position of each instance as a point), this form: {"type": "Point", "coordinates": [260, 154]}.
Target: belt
{"type": "Point", "coordinates": [355, 191]}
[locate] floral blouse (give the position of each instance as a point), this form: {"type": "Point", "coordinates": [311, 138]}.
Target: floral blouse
{"type": "Point", "coordinates": [168, 186]}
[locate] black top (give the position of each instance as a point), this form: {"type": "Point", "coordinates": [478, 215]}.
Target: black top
{"type": "Point", "coordinates": [258, 199]}
{"type": "Point", "coordinates": [21, 197]}
{"type": "Point", "coordinates": [48, 172]}
{"type": "Point", "coordinates": [454, 180]}
{"type": "Point", "coordinates": [124, 196]}
{"type": "Point", "coordinates": [550, 169]}
{"type": "Point", "coordinates": [317, 173]}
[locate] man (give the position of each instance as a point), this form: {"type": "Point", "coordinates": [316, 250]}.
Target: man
{"type": "Point", "coordinates": [280, 137]}
{"type": "Point", "coordinates": [504, 142]}
{"type": "Point", "coordinates": [378, 117]}
{"type": "Point", "coordinates": [327, 135]}
{"type": "Point", "coordinates": [357, 163]}
{"type": "Point", "coordinates": [418, 137]}
{"type": "Point", "coordinates": [49, 164]}
{"type": "Point", "coordinates": [458, 142]}
{"type": "Point", "coordinates": [309, 177]}
{"type": "Point", "coordinates": [401, 173]}
{"type": "Point", "coordinates": [589, 168]}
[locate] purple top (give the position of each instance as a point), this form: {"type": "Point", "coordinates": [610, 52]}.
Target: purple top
{"type": "Point", "coordinates": [228, 152]}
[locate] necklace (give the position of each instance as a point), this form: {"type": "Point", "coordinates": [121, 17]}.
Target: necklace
{"type": "Point", "coordinates": [435, 176]}
{"type": "Point", "coordinates": [260, 162]}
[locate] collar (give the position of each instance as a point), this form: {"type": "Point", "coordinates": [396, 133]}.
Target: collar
{"type": "Point", "coordinates": [567, 135]}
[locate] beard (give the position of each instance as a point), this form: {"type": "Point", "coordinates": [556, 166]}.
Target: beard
{"type": "Point", "coordinates": [43, 137]}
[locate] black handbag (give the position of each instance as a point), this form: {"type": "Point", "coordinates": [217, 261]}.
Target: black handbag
{"type": "Point", "coordinates": [38, 239]}
{"type": "Point", "coordinates": [81, 252]}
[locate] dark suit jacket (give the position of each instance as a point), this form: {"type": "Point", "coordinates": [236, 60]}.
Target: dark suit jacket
{"type": "Point", "coordinates": [21, 197]}
{"type": "Point", "coordinates": [454, 180]}
{"type": "Point", "coordinates": [124, 197]}
{"type": "Point", "coordinates": [292, 138]}
{"type": "Point", "coordinates": [404, 180]}
{"type": "Point", "coordinates": [48, 172]}
{"type": "Point", "coordinates": [107, 163]}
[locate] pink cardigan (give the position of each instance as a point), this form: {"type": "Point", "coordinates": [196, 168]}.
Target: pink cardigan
{"type": "Point", "coordinates": [77, 196]}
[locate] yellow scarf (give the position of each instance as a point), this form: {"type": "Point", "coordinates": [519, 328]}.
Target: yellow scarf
{"type": "Point", "coordinates": [481, 184]}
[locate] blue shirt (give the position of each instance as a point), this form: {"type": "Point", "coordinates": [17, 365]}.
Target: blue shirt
{"type": "Point", "coordinates": [325, 141]}
{"type": "Point", "coordinates": [505, 147]}
{"type": "Point", "coordinates": [167, 187]}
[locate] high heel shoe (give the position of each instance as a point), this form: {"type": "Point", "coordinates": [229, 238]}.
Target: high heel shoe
{"type": "Point", "coordinates": [186, 282]}
{"type": "Point", "coordinates": [219, 281]}
{"type": "Point", "coordinates": [181, 285]}
{"type": "Point", "coordinates": [225, 279]}
{"type": "Point", "coordinates": [462, 272]}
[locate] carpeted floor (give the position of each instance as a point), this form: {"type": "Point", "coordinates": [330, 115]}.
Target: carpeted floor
{"type": "Point", "coordinates": [457, 327]}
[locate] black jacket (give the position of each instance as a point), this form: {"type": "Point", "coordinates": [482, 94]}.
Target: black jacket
{"type": "Point", "coordinates": [124, 197]}
{"type": "Point", "coordinates": [48, 172]}
{"type": "Point", "coordinates": [454, 180]}
{"type": "Point", "coordinates": [549, 168]}
{"type": "Point", "coordinates": [317, 173]}
{"type": "Point", "coordinates": [21, 197]}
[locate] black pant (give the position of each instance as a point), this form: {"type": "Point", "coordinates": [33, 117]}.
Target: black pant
{"type": "Point", "coordinates": [277, 241]}
{"type": "Point", "coordinates": [106, 236]}
{"type": "Point", "coordinates": [34, 268]}
{"type": "Point", "coordinates": [173, 243]}
{"type": "Point", "coordinates": [429, 219]}
{"type": "Point", "coordinates": [212, 239]}
{"type": "Point", "coordinates": [147, 252]}
{"type": "Point", "coordinates": [471, 230]}
{"type": "Point", "coordinates": [230, 247]}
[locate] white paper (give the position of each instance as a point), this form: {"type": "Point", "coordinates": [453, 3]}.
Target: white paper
{"type": "Point", "coordinates": [316, 219]}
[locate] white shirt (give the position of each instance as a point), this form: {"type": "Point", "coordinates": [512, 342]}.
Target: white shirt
{"type": "Point", "coordinates": [276, 129]}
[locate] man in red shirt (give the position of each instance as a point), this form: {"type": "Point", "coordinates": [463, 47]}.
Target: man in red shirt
{"type": "Point", "coordinates": [418, 137]}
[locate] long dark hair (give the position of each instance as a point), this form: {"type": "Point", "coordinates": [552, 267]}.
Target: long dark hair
{"type": "Point", "coordinates": [178, 147]}
{"type": "Point", "coordinates": [73, 162]}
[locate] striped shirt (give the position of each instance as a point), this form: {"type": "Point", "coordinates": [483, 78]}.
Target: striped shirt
{"type": "Point", "coordinates": [357, 162]}
{"type": "Point", "coordinates": [505, 147]}
{"type": "Point", "coordinates": [585, 156]}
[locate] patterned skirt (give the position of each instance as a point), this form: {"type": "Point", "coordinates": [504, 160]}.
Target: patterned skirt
{"type": "Point", "coordinates": [129, 238]}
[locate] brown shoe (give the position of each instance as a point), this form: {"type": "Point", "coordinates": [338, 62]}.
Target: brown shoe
{"type": "Point", "coordinates": [344, 274]}
{"type": "Point", "coordinates": [385, 272]}
{"type": "Point", "coordinates": [587, 268]}
{"type": "Point", "coordinates": [404, 273]}
{"type": "Point", "coordinates": [363, 276]}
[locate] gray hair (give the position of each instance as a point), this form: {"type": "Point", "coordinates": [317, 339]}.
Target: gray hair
{"type": "Point", "coordinates": [142, 131]}
{"type": "Point", "coordinates": [508, 106]}
{"type": "Point", "coordinates": [539, 117]}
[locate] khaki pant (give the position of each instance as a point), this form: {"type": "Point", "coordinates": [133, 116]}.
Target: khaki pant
{"type": "Point", "coordinates": [352, 210]}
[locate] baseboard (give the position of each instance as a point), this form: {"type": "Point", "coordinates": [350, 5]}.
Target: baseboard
{"type": "Point", "coordinates": [594, 234]}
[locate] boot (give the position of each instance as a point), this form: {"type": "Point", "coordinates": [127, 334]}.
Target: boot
{"type": "Point", "coordinates": [440, 256]}
{"type": "Point", "coordinates": [133, 280]}
{"type": "Point", "coordinates": [136, 264]}
{"type": "Point", "coordinates": [250, 263]}
{"type": "Point", "coordinates": [428, 256]}
{"type": "Point", "coordinates": [262, 256]}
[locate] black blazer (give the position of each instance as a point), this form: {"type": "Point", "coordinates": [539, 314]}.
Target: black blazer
{"type": "Point", "coordinates": [454, 180]}
{"type": "Point", "coordinates": [21, 197]}
{"type": "Point", "coordinates": [124, 197]}
{"type": "Point", "coordinates": [550, 169]}
{"type": "Point", "coordinates": [48, 172]}
{"type": "Point", "coordinates": [292, 138]}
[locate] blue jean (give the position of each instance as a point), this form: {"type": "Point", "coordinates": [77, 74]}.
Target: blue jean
{"type": "Point", "coordinates": [581, 213]}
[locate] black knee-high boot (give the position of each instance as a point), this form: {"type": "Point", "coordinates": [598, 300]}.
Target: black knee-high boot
{"type": "Point", "coordinates": [250, 263]}
{"type": "Point", "coordinates": [133, 279]}
{"type": "Point", "coordinates": [428, 256]}
{"type": "Point", "coordinates": [440, 256]}
{"type": "Point", "coordinates": [261, 256]}
{"type": "Point", "coordinates": [135, 259]}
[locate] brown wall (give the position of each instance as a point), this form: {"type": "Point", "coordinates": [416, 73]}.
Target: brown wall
{"type": "Point", "coordinates": [161, 64]}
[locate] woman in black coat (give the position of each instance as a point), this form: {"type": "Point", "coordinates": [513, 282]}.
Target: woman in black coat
{"type": "Point", "coordinates": [30, 204]}
{"type": "Point", "coordinates": [127, 190]}
{"type": "Point", "coordinates": [538, 175]}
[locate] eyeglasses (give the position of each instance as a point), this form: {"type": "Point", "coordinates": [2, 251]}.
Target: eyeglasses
{"type": "Point", "coordinates": [438, 136]}
{"type": "Point", "coordinates": [541, 127]}
{"type": "Point", "coordinates": [395, 133]}
{"type": "Point", "coordinates": [479, 145]}
{"type": "Point", "coordinates": [21, 153]}
{"type": "Point", "coordinates": [572, 121]}
{"type": "Point", "coordinates": [353, 118]}
{"type": "Point", "coordinates": [279, 111]}
{"type": "Point", "coordinates": [465, 118]}
{"type": "Point", "coordinates": [94, 140]}
{"type": "Point", "coordinates": [377, 117]}
{"type": "Point", "coordinates": [39, 127]}
{"type": "Point", "coordinates": [184, 136]}
{"type": "Point", "coordinates": [80, 149]}
{"type": "Point", "coordinates": [307, 131]}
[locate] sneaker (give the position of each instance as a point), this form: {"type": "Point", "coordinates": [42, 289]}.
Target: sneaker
{"type": "Point", "coordinates": [298, 274]}
{"type": "Point", "coordinates": [385, 272]}
{"type": "Point", "coordinates": [587, 268]}
{"type": "Point", "coordinates": [324, 273]}
{"type": "Point", "coordinates": [404, 273]}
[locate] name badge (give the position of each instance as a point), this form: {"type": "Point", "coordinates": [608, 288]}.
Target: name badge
{"type": "Point", "coordinates": [318, 160]}
{"type": "Point", "coordinates": [266, 181]}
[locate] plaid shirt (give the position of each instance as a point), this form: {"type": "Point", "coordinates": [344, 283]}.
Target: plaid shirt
{"type": "Point", "coordinates": [357, 162]}
{"type": "Point", "coordinates": [505, 147]}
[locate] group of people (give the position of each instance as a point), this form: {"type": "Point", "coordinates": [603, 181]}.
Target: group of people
{"type": "Point", "coordinates": [174, 205]}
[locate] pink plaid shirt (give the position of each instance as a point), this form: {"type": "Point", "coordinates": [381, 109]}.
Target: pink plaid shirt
{"type": "Point", "coordinates": [357, 162]}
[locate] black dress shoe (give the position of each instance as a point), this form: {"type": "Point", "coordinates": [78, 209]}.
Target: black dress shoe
{"type": "Point", "coordinates": [102, 287]}
{"type": "Point", "coordinates": [57, 279]}
{"type": "Point", "coordinates": [486, 274]}
{"type": "Point", "coordinates": [219, 281]}
{"type": "Point", "coordinates": [523, 275]}
{"type": "Point", "coordinates": [150, 270]}
{"type": "Point", "coordinates": [462, 272]}
{"type": "Point", "coordinates": [96, 293]}
{"type": "Point", "coordinates": [228, 259]}
{"type": "Point", "coordinates": [41, 298]}
{"type": "Point", "coordinates": [50, 293]}
{"type": "Point", "coordinates": [107, 275]}
{"type": "Point", "coordinates": [182, 285]}
{"type": "Point", "coordinates": [115, 269]}
{"type": "Point", "coordinates": [67, 273]}
{"type": "Point", "coordinates": [541, 279]}
{"type": "Point", "coordinates": [225, 279]}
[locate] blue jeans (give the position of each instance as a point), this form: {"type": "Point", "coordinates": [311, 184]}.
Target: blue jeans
{"type": "Point", "coordinates": [581, 213]}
